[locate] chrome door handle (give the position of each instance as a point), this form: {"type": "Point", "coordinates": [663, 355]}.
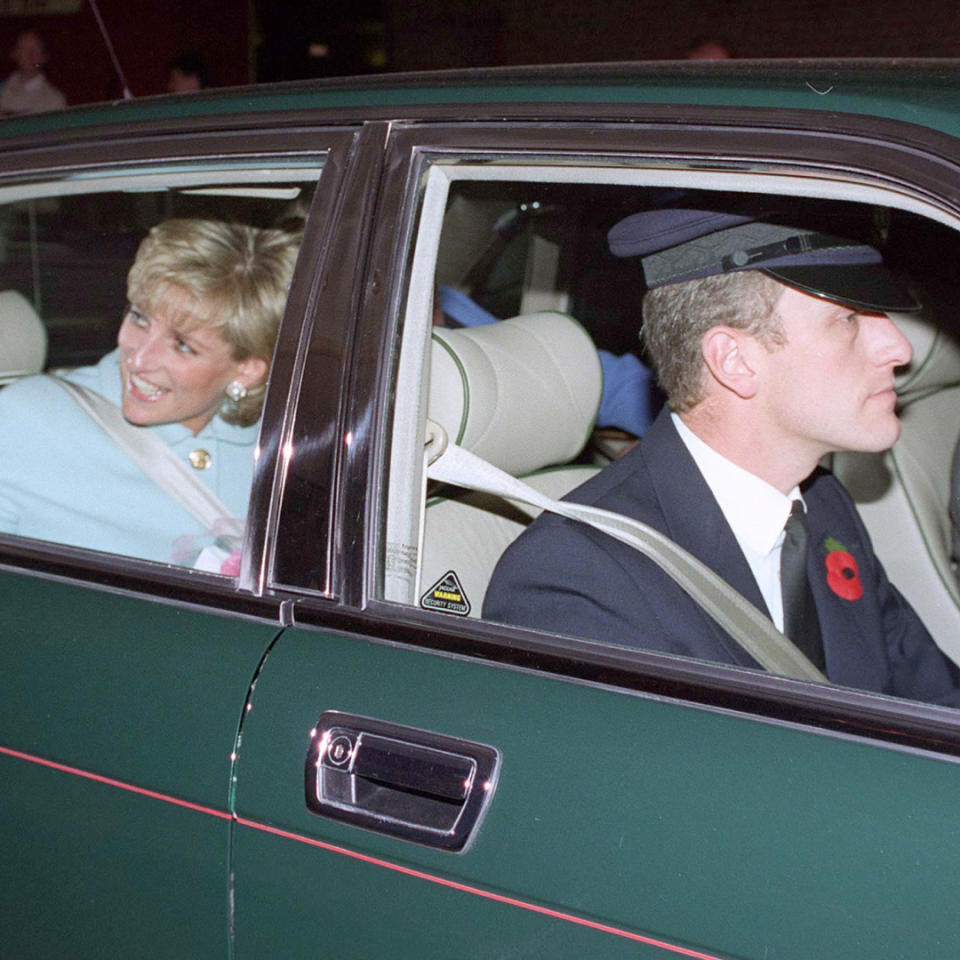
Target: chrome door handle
{"type": "Point", "coordinates": [397, 780]}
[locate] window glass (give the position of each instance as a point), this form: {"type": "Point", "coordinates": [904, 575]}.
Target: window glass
{"type": "Point", "coordinates": [505, 242]}
{"type": "Point", "coordinates": [138, 315]}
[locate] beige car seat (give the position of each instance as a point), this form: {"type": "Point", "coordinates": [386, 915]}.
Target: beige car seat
{"type": "Point", "coordinates": [522, 394]}
{"type": "Point", "coordinates": [904, 494]}
{"type": "Point", "coordinates": [23, 338]}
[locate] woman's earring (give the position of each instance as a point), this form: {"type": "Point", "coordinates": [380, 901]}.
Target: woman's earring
{"type": "Point", "coordinates": [236, 391]}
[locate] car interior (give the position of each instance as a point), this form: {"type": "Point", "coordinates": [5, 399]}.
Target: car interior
{"type": "Point", "coordinates": [533, 252]}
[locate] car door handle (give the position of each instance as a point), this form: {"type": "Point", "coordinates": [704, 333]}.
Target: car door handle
{"type": "Point", "coordinates": [404, 782]}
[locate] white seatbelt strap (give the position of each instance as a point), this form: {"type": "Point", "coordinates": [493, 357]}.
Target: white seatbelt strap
{"type": "Point", "coordinates": [754, 632]}
{"type": "Point", "coordinates": [157, 461]}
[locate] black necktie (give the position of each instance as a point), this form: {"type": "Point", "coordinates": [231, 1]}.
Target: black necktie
{"type": "Point", "coordinates": [800, 621]}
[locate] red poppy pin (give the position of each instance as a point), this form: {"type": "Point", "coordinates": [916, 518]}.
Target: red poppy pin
{"type": "Point", "coordinates": [843, 577]}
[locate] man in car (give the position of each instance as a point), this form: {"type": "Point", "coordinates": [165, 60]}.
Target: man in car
{"type": "Point", "coordinates": [773, 347]}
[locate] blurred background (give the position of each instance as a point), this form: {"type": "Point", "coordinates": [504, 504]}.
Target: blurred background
{"type": "Point", "coordinates": [251, 41]}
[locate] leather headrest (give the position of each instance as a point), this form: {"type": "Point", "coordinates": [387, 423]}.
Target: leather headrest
{"type": "Point", "coordinates": [936, 356]}
{"type": "Point", "coordinates": [23, 338]}
{"type": "Point", "coordinates": [522, 393]}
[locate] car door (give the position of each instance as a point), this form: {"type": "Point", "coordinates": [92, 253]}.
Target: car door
{"type": "Point", "coordinates": [124, 681]}
{"type": "Point", "coordinates": [611, 802]}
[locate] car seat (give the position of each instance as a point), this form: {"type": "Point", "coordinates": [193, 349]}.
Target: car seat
{"type": "Point", "coordinates": [903, 494]}
{"type": "Point", "coordinates": [522, 394]}
{"type": "Point", "coordinates": [23, 338]}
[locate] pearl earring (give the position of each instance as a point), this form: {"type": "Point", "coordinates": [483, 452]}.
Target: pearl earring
{"type": "Point", "coordinates": [236, 391]}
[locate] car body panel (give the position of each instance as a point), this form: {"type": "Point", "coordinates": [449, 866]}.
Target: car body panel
{"type": "Point", "coordinates": [117, 731]}
{"type": "Point", "coordinates": [100, 871]}
{"type": "Point", "coordinates": [768, 822]}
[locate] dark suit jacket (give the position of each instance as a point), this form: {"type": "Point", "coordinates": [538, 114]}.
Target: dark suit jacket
{"type": "Point", "coordinates": [568, 578]}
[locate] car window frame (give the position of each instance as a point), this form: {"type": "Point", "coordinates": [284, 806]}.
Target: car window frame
{"type": "Point", "coordinates": [894, 155]}
{"type": "Point", "coordinates": [327, 422]}
{"type": "Point", "coordinates": [35, 162]}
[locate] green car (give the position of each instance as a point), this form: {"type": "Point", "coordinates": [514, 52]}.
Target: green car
{"type": "Point", "coordinates": [329, 752]}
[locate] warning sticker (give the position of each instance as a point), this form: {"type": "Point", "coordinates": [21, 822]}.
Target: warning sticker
{"type": "Point", "coordinates": [446, 595]}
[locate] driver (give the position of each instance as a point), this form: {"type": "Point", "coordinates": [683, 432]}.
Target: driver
{"type": "Point", "coordinates": [773, 347]}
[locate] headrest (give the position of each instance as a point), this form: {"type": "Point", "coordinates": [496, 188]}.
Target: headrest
{"type": "Point", "coordinates": [23, 338]}
{"type": "Point", "coordinates": [522, 393]}
{"type": "Point", "coordinates": [936, 356]}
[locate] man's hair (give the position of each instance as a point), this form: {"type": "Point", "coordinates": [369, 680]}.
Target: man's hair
{"type": "Point", "coordinates": [235, 278]}
{"type": "Point", "coordinates": [676, 317]}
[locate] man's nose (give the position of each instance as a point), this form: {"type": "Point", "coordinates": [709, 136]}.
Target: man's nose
{"type": "Point", "coordinates": [890, 345]}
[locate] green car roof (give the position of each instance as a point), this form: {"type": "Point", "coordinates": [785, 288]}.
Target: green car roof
{"type": "Point", "coordinates": [924, 92]}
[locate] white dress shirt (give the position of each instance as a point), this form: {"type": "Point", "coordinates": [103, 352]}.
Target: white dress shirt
{"type": "Point", "coordinates": [755, 510]}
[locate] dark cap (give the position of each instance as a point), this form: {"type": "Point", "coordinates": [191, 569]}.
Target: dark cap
{"type": "Point", "coordinates": [680, 245]}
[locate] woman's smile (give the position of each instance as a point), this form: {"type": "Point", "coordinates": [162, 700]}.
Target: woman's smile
{"type": "Point", "coordinates": [144, 390]}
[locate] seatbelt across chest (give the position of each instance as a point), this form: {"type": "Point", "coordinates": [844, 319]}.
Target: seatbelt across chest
{"type": "Point", "coordinates": [755, 632]}
{"type": "Point", "coordinates": [157, 461]}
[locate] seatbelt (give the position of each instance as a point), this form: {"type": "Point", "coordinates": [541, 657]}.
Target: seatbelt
{"type": "Point", "coordinates": [157, 461]}
{"type": "Point", "coordinates": [756, 634]}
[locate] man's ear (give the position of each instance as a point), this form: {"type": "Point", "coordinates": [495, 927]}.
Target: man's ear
{"type": "Point", "coordinates": [727, 353]}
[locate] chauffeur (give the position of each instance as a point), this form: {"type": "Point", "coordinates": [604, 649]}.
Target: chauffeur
{"type": "Point", "coordinates": [773, 347]}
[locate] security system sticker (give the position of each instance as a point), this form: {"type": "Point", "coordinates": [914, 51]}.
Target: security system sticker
{"type": "Point", "coordinates": [447, 596]}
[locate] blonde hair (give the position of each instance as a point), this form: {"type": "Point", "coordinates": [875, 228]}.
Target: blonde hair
{"type": "Point", "coordinates": [236, 279]}
{"type": "Point", "coordinates": [676, 316]}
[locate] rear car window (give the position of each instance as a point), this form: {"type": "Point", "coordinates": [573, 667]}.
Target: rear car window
{"type": "Point", "coordinates": [66, 251]}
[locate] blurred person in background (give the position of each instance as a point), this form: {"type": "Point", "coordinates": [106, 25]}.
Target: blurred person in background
{"type": "Point", "coordinates": [187, 73]}
{"type": "Point", "coordinates": [27, 89]}
{"type": "Point", "coordinates": [707, 49]}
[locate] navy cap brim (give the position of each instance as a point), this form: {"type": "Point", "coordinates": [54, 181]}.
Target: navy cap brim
{"type": "Point", "coordinates": [868, 286]}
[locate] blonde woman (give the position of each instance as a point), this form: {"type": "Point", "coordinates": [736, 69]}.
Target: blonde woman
{"type": "Point", "coordinates": [189, 371]}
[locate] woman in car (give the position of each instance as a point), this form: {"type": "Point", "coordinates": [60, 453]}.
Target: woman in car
{"type": "Point", "coordinates": [173, 446]}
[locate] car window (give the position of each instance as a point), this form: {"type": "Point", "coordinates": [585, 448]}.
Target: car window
{"type": "Point", "coordinates": [508, 241]}
{"type": "Point", "coordinates": [167, 357]}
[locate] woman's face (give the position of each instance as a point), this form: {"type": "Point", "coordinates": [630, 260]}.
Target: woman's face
{"type": "Point", "coordinates": [176, 374]}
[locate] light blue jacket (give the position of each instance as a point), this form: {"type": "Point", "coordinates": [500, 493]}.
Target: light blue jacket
{"type": "Point", "coordinates": [63, 479]}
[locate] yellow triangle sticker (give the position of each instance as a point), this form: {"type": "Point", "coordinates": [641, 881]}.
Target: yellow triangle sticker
{"type": "Point", "coordinates": [447, 596]}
